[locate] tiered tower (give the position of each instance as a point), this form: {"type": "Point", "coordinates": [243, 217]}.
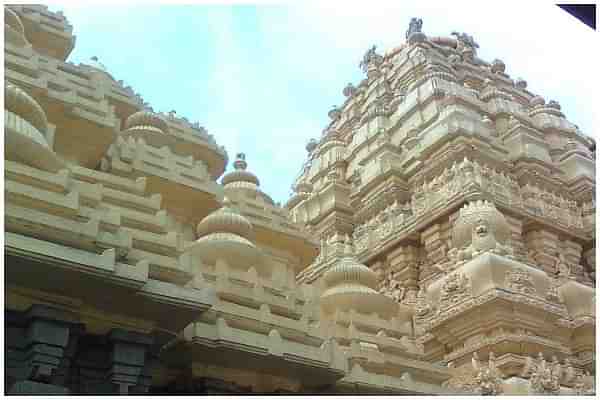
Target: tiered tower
{"type": "Point", "coordinates": [471, 198]}
{"type": "Point", "coordinates": [454, 210]}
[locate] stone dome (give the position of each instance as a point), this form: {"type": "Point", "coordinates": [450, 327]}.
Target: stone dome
{"type": "Point", "coordinates": [349, 270]}
{"type": "Point", "coordinates": [225, 220]}
{"type": "Point", "coordinates": [25, 131]}
{"type": "Point", "coordinates": [147, 120]}
{"type": "Point", "coordinates": [351, 285]}
{"type": "Point", "coordinates": [240, 174]}
{"type": "Point", "coordinates": [243, 182]}
{"type": "Point", "coordinates": [537, 101]}
{"type": "Point", "coordinates": [19, 102]}
{"type": "Point", "coordinates": [226, 235]}
{"type": "Point", "coordinates": [14, 32]}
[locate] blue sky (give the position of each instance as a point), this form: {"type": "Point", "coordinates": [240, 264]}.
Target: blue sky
{"type": "Point", "coordinates": [261, 78]}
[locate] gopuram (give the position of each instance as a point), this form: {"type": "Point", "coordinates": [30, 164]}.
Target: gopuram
{"type": "Point", "coordinates": [440, 239]}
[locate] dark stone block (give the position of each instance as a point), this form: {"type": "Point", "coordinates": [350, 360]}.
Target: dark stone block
{"type": "Point", "coordinates": [44, 312]}
{"type": "Point", "coordinates": [121, 335]}
{"type": "Point", "coordinates": [129, 354]}
{"type": "Point", "coordinates": [31, 387]}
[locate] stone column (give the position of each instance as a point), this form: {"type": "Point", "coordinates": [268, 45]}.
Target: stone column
{"type": "Point", "coordinates": [572, 252]}
{"type": "Point", "coordinates": [434, 243]}
{"type": "Point", "coordinates": [380, 269]}
{"type": "Point", "coordinates": [403, 261]}
{"type": "Point", "coordinates": [516, 236]}
{"type": "Point", "coordinates": [543, 245]}
{"type": "Point", "coordinates": [128, 359]}
{"type": "Point", "coordinates": [48, 341]}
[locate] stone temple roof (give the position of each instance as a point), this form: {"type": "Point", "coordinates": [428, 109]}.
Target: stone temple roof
{"type": "Point", "coordinates": [97, 65]}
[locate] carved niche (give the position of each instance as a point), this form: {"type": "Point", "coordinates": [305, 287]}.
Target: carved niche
{"type": "Point", "coordinates": [456, 289]}
{"type": "Point", "coordinates": [519, 280]}
{"type": "Point", "coordinates": [479, 228]}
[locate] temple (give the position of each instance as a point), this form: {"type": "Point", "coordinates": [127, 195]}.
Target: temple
{"type": "Point", "coordinates": [440, 238]}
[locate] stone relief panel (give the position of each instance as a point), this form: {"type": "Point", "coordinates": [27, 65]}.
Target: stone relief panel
{"type": "Point", "coordinates": [480, 227]}
{"type": "Point", "coordinates": [519, 280]}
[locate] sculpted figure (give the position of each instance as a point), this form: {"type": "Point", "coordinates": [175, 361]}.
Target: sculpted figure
{"type": "Point", "coordinates": [563, 269]}
{"type": "Point", "coordinates": [465, 40]}
{"type": "Point", "coordinates": [392, 287]}
{"type": "Point", "coordinates": [480, 228]}
{"type": "Point", "coordinates": [488, 378]}
{"type": "Point", "coordinates": [414, 26]}
{"type": "Point", "coordinates": [398, 292]}
{"type": "Point", "coordinates": [422, 307]}
{"type": "Point", "coordinates": [584, 384]}
{"type": "Point", "coordinates": [369, 57]}
{"type": "Point", "coordinates": [545, 377]}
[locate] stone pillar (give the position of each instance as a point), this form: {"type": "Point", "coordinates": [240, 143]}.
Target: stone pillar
{"type": "Point", "coordinates": [403, 261]}
{"type": "Point", "coordinates": [380, 269]}
{"type": "Point", "coordinates": [434, 243]}
{"type": "Point", "coordinates": [543, 245]}
{"type": "Point", "coordinates": [47, 343]}
{"type": "Point", "coordinates": [572, 253]}
{"type": "Point", "coordinates": [502, 124]}
{"type": "Point", "coordinates": [63, 376]}
{"type": "Point", "coordinates": [516, 236]}
{"type": "Point", "coordinates": [128, 359]}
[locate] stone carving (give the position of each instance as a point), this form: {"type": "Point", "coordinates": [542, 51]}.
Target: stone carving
{"type": "Point", "coordinates": [519, 280]}
{"type": "Point", "coordinates": [521, 83]}
{"type": "Point", "coordinates": [481, 379]}
{"type": "Point", "coordinates": [584, 384]}
{"type": "Point", "coordinates": [356, 177]}
{"type": "Point", "coordinates": [414, 26]}
{"type": "Point", "coordinates": [311, 145]}
{"type": "Point", "coordinates": [553, 294]}
{"type": "Point", "coordinates": [498, 66]}
{"type": "Point", "coordinates": [480, 228]}
{"type": "Point", "coordinates": [333, 175]}
{"type": "Point", "coordinates": [488, 378]}
{"type": "Point", "coordinates": [393, 288]}
{"type": "Point", "coordinates": [334, 113]}
{"type": "Point", "coordinates": [455, 289]}
{"type": "Point", "coordinates": [370, 57]}
{"type": "Point", "coordinates": [349, 90]}
{"type": "Point", "coordinates": [563, 268]}
{"type": "Point", "coordinates": [544, 377]}
{"type": "Point", "coordinates": [422, 308]}
{"type": "Point", "coordinates": [464, 176]}
{"type": "Point", "coordinates": [465, 40]}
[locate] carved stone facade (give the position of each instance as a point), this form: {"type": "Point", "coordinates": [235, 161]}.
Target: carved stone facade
{"type": "Point", "coordinates": [440, 238]}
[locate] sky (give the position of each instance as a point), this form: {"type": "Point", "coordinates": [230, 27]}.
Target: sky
{"type": "Point", "coordinates": [261, 78]}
